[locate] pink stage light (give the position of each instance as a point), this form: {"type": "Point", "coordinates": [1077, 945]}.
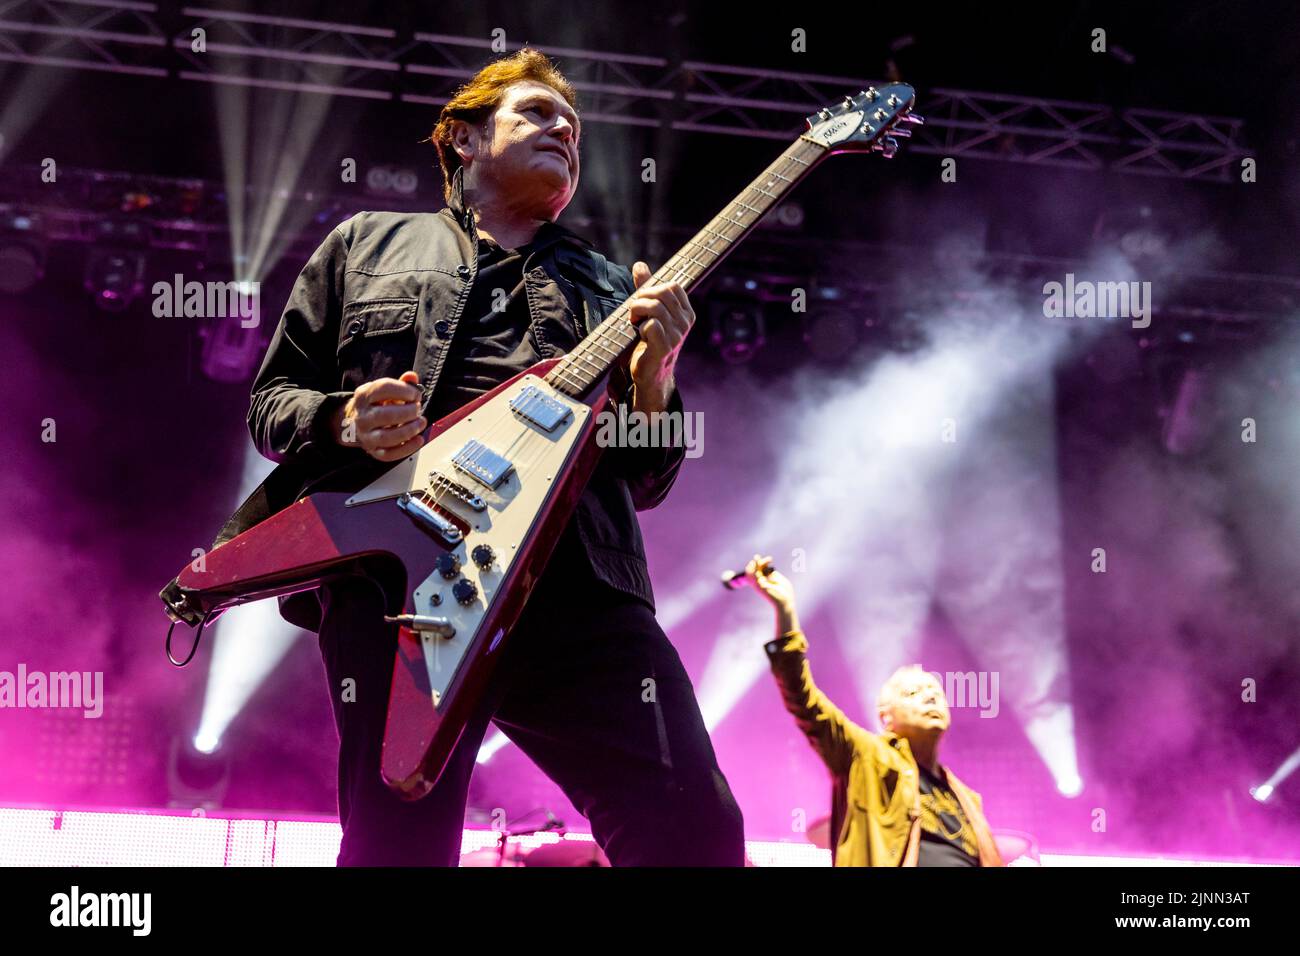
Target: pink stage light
{"type": "Point", "coordinates": [31, 836]}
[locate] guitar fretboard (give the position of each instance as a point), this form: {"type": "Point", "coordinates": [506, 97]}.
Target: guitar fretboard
{"type": "Point", "coordinates": [581, 368]}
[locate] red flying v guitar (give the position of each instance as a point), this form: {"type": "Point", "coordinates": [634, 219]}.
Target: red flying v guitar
{"type": "Point", "coordinates": [467, 524]}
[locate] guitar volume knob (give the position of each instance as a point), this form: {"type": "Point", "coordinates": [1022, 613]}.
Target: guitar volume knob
{"type": "Point", "coordinates": [448, 565]}
{"type": "Point", "coordinates": [483, 556]}
{"type": "Point", "coordinates": [464, 591]}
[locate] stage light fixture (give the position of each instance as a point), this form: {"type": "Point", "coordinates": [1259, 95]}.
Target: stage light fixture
{"type": "Point", "coordinates": [23, 249]}
{"type": "Point", "coordinates": [737, 330]}
{"type": "Point", "coordinates": [115, 278]}
{"type": "Point", "coordinates": [196, 778]}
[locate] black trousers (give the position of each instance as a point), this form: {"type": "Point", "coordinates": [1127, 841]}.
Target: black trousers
{"type": "Point", "coordinates": [589, 687]}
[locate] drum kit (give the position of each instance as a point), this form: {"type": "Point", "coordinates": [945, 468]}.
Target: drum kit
{"type": "Point", "coordinates": [563, 853]}
{"type": "Point", "coordinates": [1017, 848]}
{"type": "Point", "coordinates": [510, 851]}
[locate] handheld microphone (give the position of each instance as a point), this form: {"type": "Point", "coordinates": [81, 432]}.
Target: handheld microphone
{"type": "Point", "coordinates": [735, 580]}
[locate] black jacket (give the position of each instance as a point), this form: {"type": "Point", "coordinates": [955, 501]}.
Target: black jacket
{"type": "Point", "coordinates": [383, 294]}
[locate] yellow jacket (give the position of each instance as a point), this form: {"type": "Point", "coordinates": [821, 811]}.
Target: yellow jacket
{"type": "Point", "coordinates": [876, 802]}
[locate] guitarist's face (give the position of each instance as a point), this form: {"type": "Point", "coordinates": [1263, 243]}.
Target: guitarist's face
{"type": "Point", "coordinates": [525, 156]}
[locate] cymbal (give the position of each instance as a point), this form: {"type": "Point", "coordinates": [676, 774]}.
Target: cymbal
{"type": "Point", "coordinates": [567, 853]}
{"type": "Point", "coordinates": [819, 833]}
{"type": "Point", "coordinates": [491, 856]}
{"type": "Point", "coordinates": [1016, 845]}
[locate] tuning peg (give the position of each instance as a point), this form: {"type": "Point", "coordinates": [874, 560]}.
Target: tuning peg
{"type": "Point", "coordinates": [887, 147]}
{"type": "Point", "coordinates": [901, 133]}
{"type": "Point", "coordinates": [848, 102]}
{"type": "Point", "coordinates": [913, 119]}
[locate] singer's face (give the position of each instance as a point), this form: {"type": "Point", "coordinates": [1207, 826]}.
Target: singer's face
{"type": "Point", "coordinates": [918, 705]}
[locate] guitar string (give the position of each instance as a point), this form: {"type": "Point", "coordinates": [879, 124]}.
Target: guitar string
{"type": "Point", "coordinates": [792, 155]}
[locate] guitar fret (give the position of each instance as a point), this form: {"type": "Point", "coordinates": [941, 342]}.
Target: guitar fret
{"type": "Point", "coordinates": [694, 260]}
{"type": "Point", "coordinates": [560, 371]}
{"type": "Point", "coordinates": [577, 353]}
{"type": "Point", "coordinates": [595, 343]}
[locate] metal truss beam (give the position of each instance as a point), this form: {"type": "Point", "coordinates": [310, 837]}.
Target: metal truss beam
{"type": "Point", "coordinates": [353, 60]}
{"type": "Point", "coordinates": [84, 34]}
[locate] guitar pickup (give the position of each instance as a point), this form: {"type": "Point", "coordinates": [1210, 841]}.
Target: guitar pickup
{"type": "Point", "coordinates": [482, 464]}
{"type": "Point", "coordinates": [534, 405]}
{"type": "Point", "coordinates": [442, 485]}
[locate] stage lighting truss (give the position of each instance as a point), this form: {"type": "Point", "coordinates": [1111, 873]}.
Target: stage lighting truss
{"type": "Point", "coordinates": [769, 268]}
{"type": "Point", "coordinates": [355, 60]}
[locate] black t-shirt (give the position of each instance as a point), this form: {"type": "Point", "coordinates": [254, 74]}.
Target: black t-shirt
{"type": "Point", "coordinates": [493, 344]}
{"type": "Point", "coordinates": [947, 837]}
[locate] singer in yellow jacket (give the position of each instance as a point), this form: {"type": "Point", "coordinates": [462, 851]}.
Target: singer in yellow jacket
{"type": "Point", "coordinates": [893, 803]}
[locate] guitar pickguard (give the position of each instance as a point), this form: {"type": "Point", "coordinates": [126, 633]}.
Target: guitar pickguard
{"type": "Point", "coordinates": [493, 471]}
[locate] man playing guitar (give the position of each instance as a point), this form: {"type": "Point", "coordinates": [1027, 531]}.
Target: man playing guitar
{"type": "Point", "coordinates": [432, 394]}
{"type": "Point", "coordinates": [398, 320]}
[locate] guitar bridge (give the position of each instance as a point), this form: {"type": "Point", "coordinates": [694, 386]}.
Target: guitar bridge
{"type": "Point", "coordinates": [429, 519]}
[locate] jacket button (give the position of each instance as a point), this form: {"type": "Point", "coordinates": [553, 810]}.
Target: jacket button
{"type": "Point", "coordinates": [442, 327]}
{"type": "Point", "coordinates": [355, 327]}
{"type": "Point", "coordinates": [462, 271]}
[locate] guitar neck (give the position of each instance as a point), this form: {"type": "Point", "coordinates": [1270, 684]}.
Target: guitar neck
{"type": "Point", "coordinates": [587, 364]}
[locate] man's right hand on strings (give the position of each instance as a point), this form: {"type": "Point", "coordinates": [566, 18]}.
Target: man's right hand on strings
{"type": "Point", "coordinates": [382, 418]}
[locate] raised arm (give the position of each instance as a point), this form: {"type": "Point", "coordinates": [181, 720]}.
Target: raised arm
{"type": "Point", "coordinates": [831, 733]}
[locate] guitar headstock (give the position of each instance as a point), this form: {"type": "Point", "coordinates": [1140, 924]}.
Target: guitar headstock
{"type": "Point", "coordinates": [872, 121]}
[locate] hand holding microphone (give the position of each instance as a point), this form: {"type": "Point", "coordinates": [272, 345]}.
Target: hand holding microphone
{"type": "Point", "coordinates": [735, 580]}
{"type": "Point", "coordinates": [773, 585]}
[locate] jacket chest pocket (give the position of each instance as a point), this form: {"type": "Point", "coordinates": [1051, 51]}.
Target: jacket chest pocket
{"type": "Point", "coordinates": [376, 340]}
